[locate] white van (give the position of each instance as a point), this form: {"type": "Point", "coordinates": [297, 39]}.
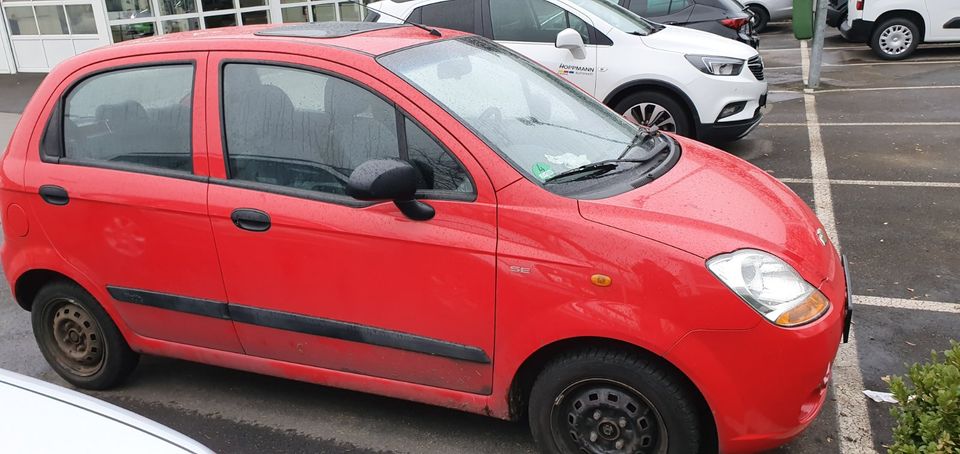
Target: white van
{"type": "Point", "coordinates": [894, 28]}
{"type": "Point", "coordinates": [688, 81]}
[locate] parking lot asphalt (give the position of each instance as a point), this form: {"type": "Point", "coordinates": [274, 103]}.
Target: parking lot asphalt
{"type": "Point", "coordinates": [879, 165]}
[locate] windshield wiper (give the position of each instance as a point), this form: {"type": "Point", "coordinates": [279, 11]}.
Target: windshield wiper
{"type": "Point", "coordinates": [593, 169]}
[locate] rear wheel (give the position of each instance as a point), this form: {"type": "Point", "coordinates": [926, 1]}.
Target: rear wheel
{"type": "Point", "coordinates": [653, 108]}
{"type": "Point", "coordinates": [759, 17]}
{"type": "Point", "coordinates": [895, 39]}
{"type": "Point", "coordinates": [602, 401]}
{"type": "Point", "coordinates": [78, 339]}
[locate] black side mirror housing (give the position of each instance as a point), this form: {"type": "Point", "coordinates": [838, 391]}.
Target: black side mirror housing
{"type": "Point", "coordinates": [389, 179]}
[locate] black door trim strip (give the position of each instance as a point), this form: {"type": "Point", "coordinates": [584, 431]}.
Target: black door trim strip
{"type": "Point", "coordinates": [315, 326]}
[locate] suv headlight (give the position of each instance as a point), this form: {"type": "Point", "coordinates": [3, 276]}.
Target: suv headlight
{"type": "Point", "coordinates": [771, 286]}
{"type": "Point", "coordinates": [717, 66]}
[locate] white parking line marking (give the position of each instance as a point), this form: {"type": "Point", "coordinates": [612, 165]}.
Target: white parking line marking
{"type": "Point", "coordinates": [855, 434]}
{"type": "Point", "coordinates": [864, 47]}
{"type": "Point", "coordinates": [842, 90]}
{"type": "Point", "coordinates": [877, 63]}
{"type": "Point", "coordinates": [918, 184]}
{"type": "Point", "coordinates": [902, 123]}
{"type": "Point", "coordinates": [900, 303]}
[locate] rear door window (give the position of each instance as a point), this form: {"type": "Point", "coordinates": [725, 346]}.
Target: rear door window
{"type": "Point", "coordinates": [453, 14]}
{"type": "Point", "coordinates": [138, 116]}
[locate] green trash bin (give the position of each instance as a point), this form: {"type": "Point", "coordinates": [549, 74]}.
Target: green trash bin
{"type": "Point", "coordinates": [803, 19]}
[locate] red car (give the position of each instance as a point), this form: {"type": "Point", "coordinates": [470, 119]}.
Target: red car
{"type": "Point", "coordinates": [434, 218]}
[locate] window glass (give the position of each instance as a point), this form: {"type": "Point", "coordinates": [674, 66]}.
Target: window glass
{"type": "Point", "coordinates": [656, 8]}
{"type": "Point", "coordinates": [180, 25]}
{"type": "Point", "coordinates": [300, 129]}
{"type": "Point", "coordinates": [226, 20]}
{"type": "Point", "coordinates": [538, 122]}
{"type": "Point", "coordinates": [177, 6]}
{"type": "Point", "coordinates": [350, 12]}
{"type": "Point", "coordinates": [52, 20]}
{"type": "Point", "coordinates": [295, 14]}
{"type": "Point", "coordinates": [21, 20]}
{"type": "Point", "coordinates": [128, 9]}
{"type": "Point", "coordinates": [618, 17]}
{"type": "Point", "coordinates": [536, 21]}
{"type": "Point", "coordinates": [216, 5]}
{"type": "Point", "coordinates": [81, 19]}
{"type": "Point", "coordinates": [454, 14]}
{"type": "Point", "coordinates": [255, 17]}
{"type": "Point", "coordinates": [134, 116]}
{"type": "Point", "coordinates": [252, 3]}
{"type": "Point", "coordinates": [131, 31]}
{"type": "Point", "coordinates": [439, 171]}
{"type": "Point", "coordinates": [324, 13]}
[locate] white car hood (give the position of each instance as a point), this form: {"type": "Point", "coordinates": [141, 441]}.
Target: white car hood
{"type": "Point", "coordinates": [695, 42]}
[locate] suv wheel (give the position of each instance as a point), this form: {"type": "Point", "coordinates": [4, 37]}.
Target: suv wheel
{"type": "Point", "coordinates": [78, 339]}
{"type": "Point", "coordinates": [895, 39]}
{"type": "Point", "coordinates": [653, 108]}
{"type": "Point", "coordinates": [759, 17]}
{"type": "Point", "coordinates": [600, 401]}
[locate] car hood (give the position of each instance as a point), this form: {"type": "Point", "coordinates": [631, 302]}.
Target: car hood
{"type": "Point", "coordinates": [695, 42]}
{"type": "Point", "coordinates": [712, 203]}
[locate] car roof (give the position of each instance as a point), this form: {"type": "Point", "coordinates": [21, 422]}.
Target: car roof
{"type": "Point", "coordinates": [96, 414]}
{"type": "Point", "coordinates": [363, 37]}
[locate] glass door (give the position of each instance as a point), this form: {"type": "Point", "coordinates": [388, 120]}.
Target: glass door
{"type": "Point", "coordinates": [46, 32]}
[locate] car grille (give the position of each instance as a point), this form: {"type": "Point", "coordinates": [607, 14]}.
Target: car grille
{"type": "Point", "coordinates": [756, 67]}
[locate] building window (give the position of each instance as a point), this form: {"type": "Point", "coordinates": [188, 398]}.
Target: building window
{"type": "Point", "coordinates": [50, 19]}
{"type": "Point", "coordinates": [320, 11]}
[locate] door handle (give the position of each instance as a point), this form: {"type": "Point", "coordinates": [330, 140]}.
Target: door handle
{"type": "Point", "coordinates": [250, 219]}
{"type": "Point", "coordinates": [54, 195]}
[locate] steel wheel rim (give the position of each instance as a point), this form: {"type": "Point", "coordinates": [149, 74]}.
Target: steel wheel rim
{"type": "Point", "coordinates": [651, 114]}
{"type": "Point", "coordinates": [75, 338]}
{"type": "Point", "coordinates": [600, 416]}
{"type": "Point", "coordinates": [896, 39]}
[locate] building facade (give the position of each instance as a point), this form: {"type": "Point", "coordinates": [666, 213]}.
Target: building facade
{"type": "Point", "coordinates": [35, 35]}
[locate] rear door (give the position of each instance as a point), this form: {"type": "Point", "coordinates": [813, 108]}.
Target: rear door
{"type": "Point", "coordinates": [530, 27]}
{"type": "Point", "coordinates": [120, 186]}
{"type": "Point", "coordinates": [316, 277]}
{"type": "Point", "coordinates": [944, 20]}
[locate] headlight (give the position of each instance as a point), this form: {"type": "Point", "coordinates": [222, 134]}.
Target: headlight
{"type": "Point", "coordinates": [717, 66]}
{"type": "Point", "coordinates": [770, 286]}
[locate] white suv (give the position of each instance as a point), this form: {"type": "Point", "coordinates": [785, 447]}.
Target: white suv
{"type": "Point", "coordinates": [894, 28]}
{"type": "Point", "coordinates": [691, 82]}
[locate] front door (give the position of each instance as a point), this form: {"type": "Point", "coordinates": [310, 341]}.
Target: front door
{"type": "Point", "coordinates": [944, 20]}
{"type": "Point", "coordinates": [316, 277]}
{"type": "Point", "coordinates": [120, 191]}
{"type": "Point", "coordinates": [530, 27]}
{"type": "Point", "coordinates": [43, 34]}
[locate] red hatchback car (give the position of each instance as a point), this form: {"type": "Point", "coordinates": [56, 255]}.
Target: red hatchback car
{"type": "Point", "coordinates": [434, 218]}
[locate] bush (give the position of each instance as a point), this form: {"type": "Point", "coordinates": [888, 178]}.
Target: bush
{"type": "Point", "coordinates": [928, 413]}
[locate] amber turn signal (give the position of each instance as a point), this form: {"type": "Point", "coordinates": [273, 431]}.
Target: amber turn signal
{"type": "Point", "coordinates": [809, 310]}
{"type": "Point", "coordinates": [601, 280]}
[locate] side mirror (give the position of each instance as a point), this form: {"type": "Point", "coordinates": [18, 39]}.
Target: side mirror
{"type": "Point", "coordinates": [389, 179]}
{"type": "Point", "coordinates": [570, 39]}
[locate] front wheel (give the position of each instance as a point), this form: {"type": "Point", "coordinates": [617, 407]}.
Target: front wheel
{"type": "Point", "coordinates": [653, 108]}
{"type": "Point", "coordinates": [600, 401]}
{"type": "Point", "coordinates": [895, 39]}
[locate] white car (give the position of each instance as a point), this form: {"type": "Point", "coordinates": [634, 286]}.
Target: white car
{"type": "Point", "coordinates": [894, 28]}
{"type": "Point", "coordinates": [766, 11]}
{"type": "Point", "coordinates": [688, 81]}
{"type": "Point", "coordinates": [40, 417]}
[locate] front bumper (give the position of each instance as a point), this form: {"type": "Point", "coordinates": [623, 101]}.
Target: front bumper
{"type": "Point", "coordinates": [731, 130]}
{"type": "Point", "coordinates": [765, 385]}
{"type": "Point", "coordinates": [857, 31]}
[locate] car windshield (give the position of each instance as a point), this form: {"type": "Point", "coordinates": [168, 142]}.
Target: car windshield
{"type": "Point", "coordinates": [536, 121]}
{"type": "Point", "coordinates": [620, 18]}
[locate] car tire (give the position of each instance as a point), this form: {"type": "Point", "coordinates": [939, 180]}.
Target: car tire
{"type": "Point", "coordinates": [591, 400]}
{"type": "Point", "coordinates": [78, 339]}
{"type": "Point", "coordinates": [895, 39]}
{"type": "Point", "coordinates": [760, 17]}
{"type": "Point", "coordinates": [648, 107]}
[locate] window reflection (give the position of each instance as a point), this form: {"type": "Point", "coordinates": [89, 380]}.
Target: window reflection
{"type": "Point", "coordinates": [128, 9]}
